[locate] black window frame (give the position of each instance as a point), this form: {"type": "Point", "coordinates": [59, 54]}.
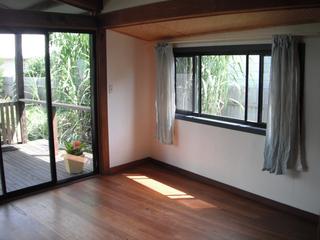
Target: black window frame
{"type": "Point", "coordinates": [7, 196]}
{"type": "Point", "coordinates": [262, 50]}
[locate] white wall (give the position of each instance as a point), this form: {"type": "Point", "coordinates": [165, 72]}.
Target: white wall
{"type": "Point", "coordinates": [236, 158]}
{"type": "Point", "coordinates": [228, 156]}
{"type": "Point", "coordinates": [129, 101]}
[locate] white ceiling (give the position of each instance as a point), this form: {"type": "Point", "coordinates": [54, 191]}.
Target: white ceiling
{"type": "Point", "coordinates": [46, 5]}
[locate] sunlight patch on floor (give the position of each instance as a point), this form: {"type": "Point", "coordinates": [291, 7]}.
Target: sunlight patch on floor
{"type": "Point", "coordinates": [170, 192]}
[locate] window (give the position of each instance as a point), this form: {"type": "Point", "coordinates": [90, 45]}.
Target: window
{"type": "Point", "coordinates": [225, 85]}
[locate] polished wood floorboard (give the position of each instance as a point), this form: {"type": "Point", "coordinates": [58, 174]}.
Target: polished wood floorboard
{"type": "Point", "coordinates": [147, 202]}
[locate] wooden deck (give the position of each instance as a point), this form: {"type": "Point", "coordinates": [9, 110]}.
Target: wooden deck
{"type": "Point", "coordinates": [28, 164]}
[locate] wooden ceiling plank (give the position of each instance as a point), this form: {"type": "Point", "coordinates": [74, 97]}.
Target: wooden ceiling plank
{"type": "Point", "coordinates": [221, 23]}
{"type": "Point", "coordinates": [181, 9]}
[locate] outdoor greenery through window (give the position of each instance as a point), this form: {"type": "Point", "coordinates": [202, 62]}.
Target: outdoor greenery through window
{"type": "Point", "coordinates": [46, 108]}
{"type": "Point", "coordinates": [229, 84]}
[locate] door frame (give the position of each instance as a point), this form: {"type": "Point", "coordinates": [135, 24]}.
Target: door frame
{"type": "Point", "coordinates": [5, 196]}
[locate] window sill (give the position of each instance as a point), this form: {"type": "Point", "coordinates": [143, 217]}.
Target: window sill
{"type": "Point", "coordinates": [223, 124]}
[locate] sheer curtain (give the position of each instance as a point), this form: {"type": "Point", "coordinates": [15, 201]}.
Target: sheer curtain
{"type": "Point", "coordinates": [283, 140]}
{"type": "Point", "coordinates": [165, 93]}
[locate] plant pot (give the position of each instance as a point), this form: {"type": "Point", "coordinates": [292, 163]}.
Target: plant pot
{"type": "Point", "coordinates": [74, 164]}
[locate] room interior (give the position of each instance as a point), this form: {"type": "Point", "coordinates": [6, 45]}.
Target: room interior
{"type": "Point", "coordinates": [209, 183]}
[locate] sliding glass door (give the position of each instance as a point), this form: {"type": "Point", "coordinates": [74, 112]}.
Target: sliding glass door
{"type": "Point", "coordinates": [46, 110]}
{"type": "Point", "coordinates": [71, 78]}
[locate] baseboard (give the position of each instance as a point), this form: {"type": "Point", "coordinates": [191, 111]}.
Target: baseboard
{"type": "Point", "coordinates": [266, 201]}
{"type": "Point", "coordinates": [126, 166]}
{"type": "Point", "coordinates": [271, 203]}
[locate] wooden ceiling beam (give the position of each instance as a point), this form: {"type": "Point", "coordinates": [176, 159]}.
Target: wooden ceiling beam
{"type": "Point", "coordinates": [182, 9]}
{"type": "Point", "coordinates": [94, 6]}
{"type": "Point", "coordinates": [45, 20]}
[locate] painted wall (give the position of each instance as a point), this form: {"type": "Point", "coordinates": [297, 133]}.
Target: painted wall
{"type": "Point", "coordinates": [129, 98]}
{"type": "Point", "coordinates": [236, 158]}
{"type": "Point", "coordinates": [113, 5]}
{"type": "Point", "coordinates": [228, 156]}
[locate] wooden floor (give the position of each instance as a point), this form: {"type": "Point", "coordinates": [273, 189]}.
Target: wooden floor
{"type": "Point", "coordinates": [148, 202]}
{"type": "Point", "coordinates": [28, 165]}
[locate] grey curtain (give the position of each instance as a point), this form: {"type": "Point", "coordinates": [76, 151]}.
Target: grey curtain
{"type": "Point", "coordinates": [283, 139]}
{"type": "Point", "coordinates": [165, 93]}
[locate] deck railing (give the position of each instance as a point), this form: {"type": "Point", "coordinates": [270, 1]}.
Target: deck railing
{"type": "Point", "coordinates": [13, 123]}
{"type": "Point", "coordinates": [9, 123]}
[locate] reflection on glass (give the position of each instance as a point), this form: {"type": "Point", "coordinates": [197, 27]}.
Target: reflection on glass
{"type": "Point", "coordinates": [253, 88]}
{"type": "Point", "coordinates": [223, 85]}
{"type": "Point", "coordinates": [71, 96]}
{"type": "Point", "coordinates": [24, 128]}
{"type": "Point", "coordinates": [266, 85]}
{"type": "Point", "coordinates": [184, 83]}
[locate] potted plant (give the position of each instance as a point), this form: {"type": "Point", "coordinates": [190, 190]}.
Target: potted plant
{"type": "Point", "coordinates": [74, 159]}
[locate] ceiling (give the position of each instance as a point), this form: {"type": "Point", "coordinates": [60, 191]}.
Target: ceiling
{"type": "Point", "coordinates": [41, 5]}
{"type": "Point", "coordinates": [220, 23]}
{"type": "Point", "coordinates": [113, 5]}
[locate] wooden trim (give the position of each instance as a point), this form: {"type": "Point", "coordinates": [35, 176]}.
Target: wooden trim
{"type": "Point", "coordinates": [45, 20]}
{"type": "Point", "coordinates": [182, 9]}
{"type": "Point", "coordinates": [102, 101]}
{"type": "Point", "coordinates": [127, 166]}
{"type": "Point", "coordinates": [271, 203]}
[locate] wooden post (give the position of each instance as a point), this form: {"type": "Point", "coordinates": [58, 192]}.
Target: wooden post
{"type": "Point", "coordinates": [55, 130]}
{"type": "Point", "coordinates": [20, 90]}
{"type": "Point", "coordinates": [102, 101]}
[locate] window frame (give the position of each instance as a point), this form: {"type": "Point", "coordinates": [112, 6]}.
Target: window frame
{"type": "Point", "coordinates": [262, 50]}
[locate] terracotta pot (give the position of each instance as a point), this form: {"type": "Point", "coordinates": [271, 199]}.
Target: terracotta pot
{"type": "Point", "coordinates": [74, 164]}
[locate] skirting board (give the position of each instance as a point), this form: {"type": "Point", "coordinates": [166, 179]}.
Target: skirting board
{"type": "Point", "coordinates": [124, 167]}
{"type": "Point", "coordinates": [268, 202]}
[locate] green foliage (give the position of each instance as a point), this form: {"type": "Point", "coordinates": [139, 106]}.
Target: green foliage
{"type": "Point", "coordinates": [74, 148]}
{"type": "Point", "coordinates": [70, 82]}
{"type": "Point", "coordinates": [70, 74]}
{"type": "Point", "coordinates": [219, 73]}
{"type": "Point", "coordinates": [214, 83]}
{"type": "Point", "coordinates": [37, 124]}
{"type": "Point", "coordinates": [35, 68]}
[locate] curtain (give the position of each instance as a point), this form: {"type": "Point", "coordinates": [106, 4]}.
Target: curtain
{"type": "Point", "coordinates": [283, 140]}
{"type": "Point", "coordinates": [165, 93]}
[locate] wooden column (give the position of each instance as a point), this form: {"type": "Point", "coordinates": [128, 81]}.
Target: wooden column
{"type": "Point", "coordinates": [21, 114]}
{"type": "Point", "coordinates": [102, 101]}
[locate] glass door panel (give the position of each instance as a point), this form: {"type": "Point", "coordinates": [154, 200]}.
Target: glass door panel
{"type": "Point", "coordinates": [71, 83]}
{"type": "Point", "coordinates": [24, 122]}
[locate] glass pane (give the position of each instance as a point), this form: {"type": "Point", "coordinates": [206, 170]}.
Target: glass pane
{"type": "Point", "coordinates": [7, 68]}
{"type": "Point", "coordinates": [184, 83]}
{"type": "Point", "coordinates": [266, 84]}
{"type": "Point", "coordinates": [7, 86]}
{"type": "Point", "coordinates": [24, 118]}
{"type": "Point", "coordinates": [253, 88]}
{"type": "Point", "coordinates": [223, 85]}
{"type": "Point", "coordinates": [71, 94]}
